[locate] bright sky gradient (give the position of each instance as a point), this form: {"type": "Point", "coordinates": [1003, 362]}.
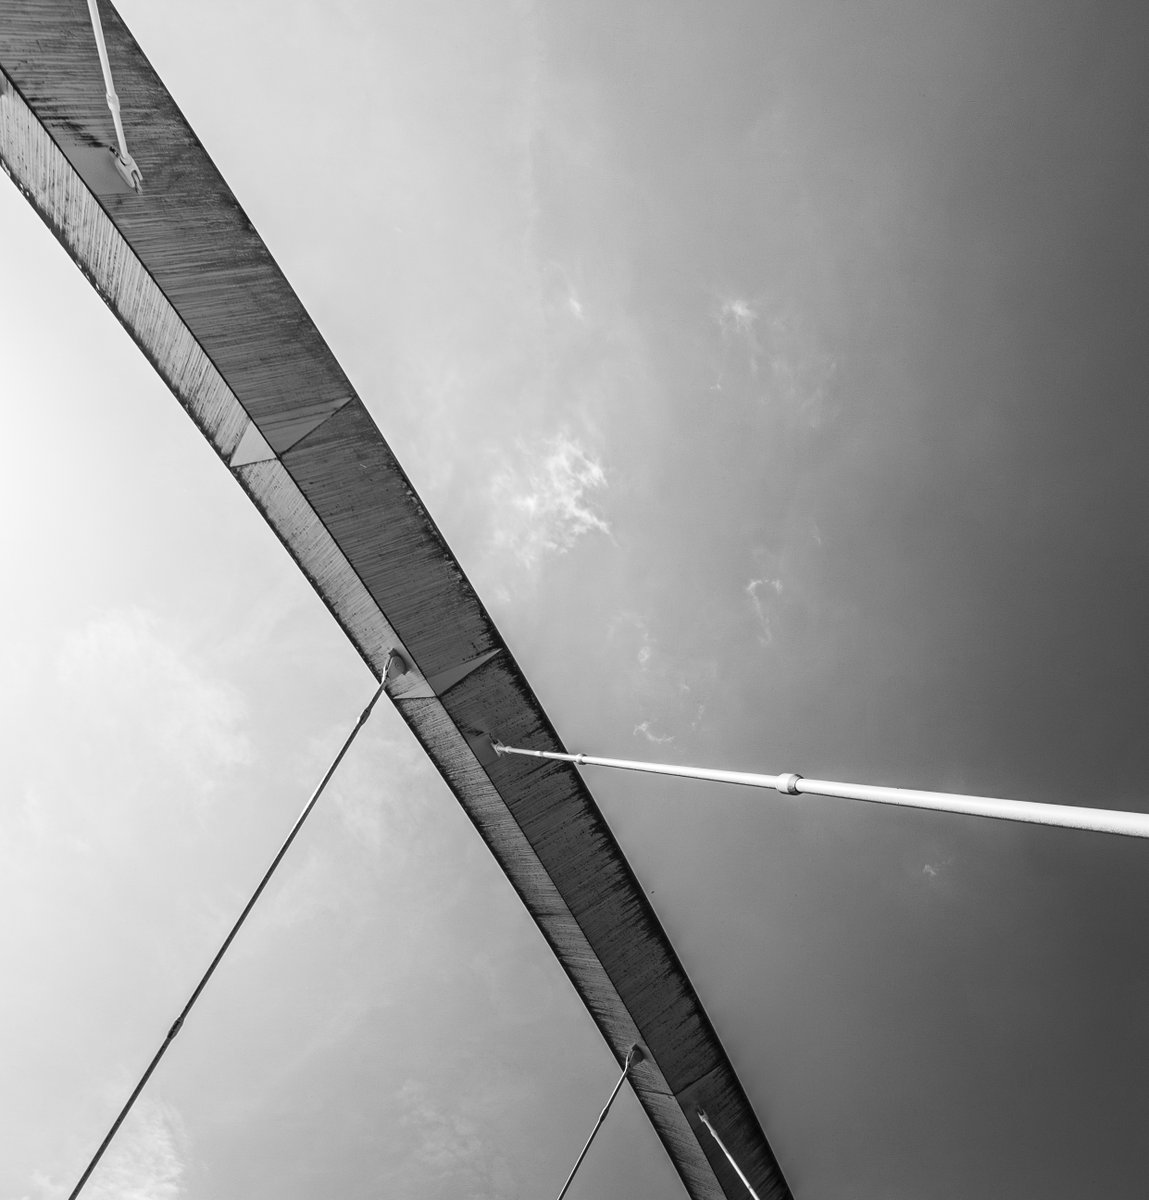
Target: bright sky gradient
{"type": "Point", "coordinates": [777, 372]}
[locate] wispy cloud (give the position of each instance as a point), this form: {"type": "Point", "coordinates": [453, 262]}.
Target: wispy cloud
{"type": "Point", "coordinates": [149, 1160]}
{"type": "Point", "coordinates": [737, 318]}
{"type": "Point", "coordinates": [146, 1161]}
{"type": "Point", "coordinates": [663, 692]}
{"type": "Point", "coordinates": [449, 1144]}
{"type": "Point", "coordinates": [127, 662]}
{"type": "Point", "coordinates": [800, 370]}
{"type": "Point", "coordinates": [376, 796]}
{"type": "Point", "coordinates": [143, 712]}
{"type": "Point", "coordinates": [544, 502]}
{"type": "Point", "coordinates": [645, 728]}
{"type": "Point", "coordinates": [761, 593]}
{"type": "Point", "coordinates": [788, 607]}
{"type": "Point", "coordinates": [790, 369]}
{"type": "Point", "coordinates": [627, 620]}
{"type": "Point", "coordinates": [938, 871]}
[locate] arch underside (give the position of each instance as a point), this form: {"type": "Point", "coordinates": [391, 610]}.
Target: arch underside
{"type": "Point", "coordinates": [196, 288]}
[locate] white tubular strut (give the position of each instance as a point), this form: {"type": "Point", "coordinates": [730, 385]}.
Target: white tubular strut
{"type": "Point", "coordinates": [729, 1157]}
{"type": "Point", "coordinates": [1096, 820]}
{"type": "Point", "coordinates": [125, 163]}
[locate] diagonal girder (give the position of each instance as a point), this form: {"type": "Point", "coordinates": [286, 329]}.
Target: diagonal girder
{"type": "Point", "coordinates": [194, 285]}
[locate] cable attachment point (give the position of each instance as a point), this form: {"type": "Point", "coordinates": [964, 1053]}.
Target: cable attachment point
{"type": "Point", "coordinates": [729, 1157]}
{"type": "Point", "coordinates": [788, 784]}
{"type": "Point", "coordinates": [396, 666]}
{"type": "Point", "coordinates": [125, 163]}
{"type": "Point", "coordinates": [177, 1025]}
{"type": "Point", "coordinates": [127, 168]}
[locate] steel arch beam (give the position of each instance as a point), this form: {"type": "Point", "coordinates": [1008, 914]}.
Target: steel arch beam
{"type": "Point", "coordinates": [194, 285]}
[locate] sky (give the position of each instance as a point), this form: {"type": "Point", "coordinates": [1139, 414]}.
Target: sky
{"type": "Point", "coordinates": [776, 372]}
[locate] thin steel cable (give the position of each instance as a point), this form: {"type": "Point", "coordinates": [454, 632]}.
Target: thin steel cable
{"type": "Point", "coordinates": [729, 1157]}
{"type": "Point", "coordinates": [178, 1023]}
{"type": "Point", "coordinates": [633, 1055]}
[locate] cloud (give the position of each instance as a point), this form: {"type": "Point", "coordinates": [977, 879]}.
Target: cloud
{"type": "Point", "coordinates": [141, 714]}
{"type": "Point", "coordinates": [760, 591]}
{"type": "Point", "coordinates": [380, 817]}
{"type": "Point", "coordinates": [937, 872]}
{"type": "Point", "coordinates": [369, 840]}
{"type": "Point", "coordinates": [380, 794]}
{"type": "Point", "coordinates": [800, 370]}
{"type": "Point", "coordinates": [147, 1160]}
{"type": "Point", "coordinates": [663, 694]}
{"type": "Point", "coordinates": [645, 729]}
{"type": "Point", "coordinates": [627, 621]}
{"type": "Point", "coordinates": [445, 1141]}
{"type": "Point", "coordinates": [126, 668]}
{"type": "Point", "coordinates": [789, 367]}
{"type": "Point", "coordinates": [786, 603]}
{"type": "Point", "coordinates": [449, 1148]}
{"type": "Point", "coordinates": [736, 319]}
{"type": "Point", "coordinates": [543, 503]}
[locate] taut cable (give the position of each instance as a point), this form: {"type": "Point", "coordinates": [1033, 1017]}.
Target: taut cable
{"type": "Point", "coordinates": [729, 1157]}
{"type": "Point", "coordinates": [178, 1023]}
{"type": "Point", "coordinates": [633, 1055]}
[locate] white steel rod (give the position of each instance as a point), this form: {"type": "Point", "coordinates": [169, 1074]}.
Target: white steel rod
{"type": "Point", "coordinates": [130, 170]}
{"type": "Point", "coordinates": [109, 87]}
{"type": "Point", "coordinates": [729, 1157]}
{"type": "Point", "coordinates": [1098, 820]}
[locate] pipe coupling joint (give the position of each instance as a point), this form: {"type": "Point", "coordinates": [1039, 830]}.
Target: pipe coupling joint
{"type": "Point", "coordinates": [788, 784]}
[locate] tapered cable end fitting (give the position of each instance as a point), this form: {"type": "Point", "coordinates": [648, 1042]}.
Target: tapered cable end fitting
{"type": "Point", "coordinates": [396, 666]}
{"type": "Point", "coordinates": [128, 169]}
{"type": "Point", "coordinates": [484, 747]}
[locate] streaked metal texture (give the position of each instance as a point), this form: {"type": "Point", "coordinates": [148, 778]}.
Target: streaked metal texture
{"type": "Point", "coordinates": [192, 282]}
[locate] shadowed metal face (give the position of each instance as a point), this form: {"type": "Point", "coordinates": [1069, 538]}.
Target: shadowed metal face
{"type": "Point", "coordinates": [193, 283]}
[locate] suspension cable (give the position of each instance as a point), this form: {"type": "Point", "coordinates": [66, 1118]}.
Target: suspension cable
{"type": "Point", "coordinates": [729, 1157]}
{"type": "Point", "coordinates": [1098, 820]}
{"type": "Point", "coordinates": [633, 1055]}
{"type": "Point", "coordinates": [125, 163]}
{"type": "Point", "coordinates": [178, 1023]}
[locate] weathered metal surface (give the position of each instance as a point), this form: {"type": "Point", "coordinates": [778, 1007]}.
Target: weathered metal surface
{"type": "Point", "coordinates": [194, 285]}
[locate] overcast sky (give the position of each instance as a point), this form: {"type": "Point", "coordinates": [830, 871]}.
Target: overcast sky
{"type": "Point", "coordinates": [777, 372]}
